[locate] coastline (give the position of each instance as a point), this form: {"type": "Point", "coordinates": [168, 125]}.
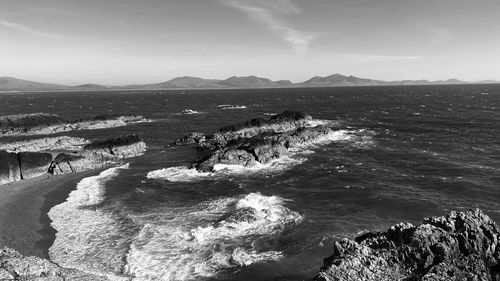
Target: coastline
{"type": "Point", "coordinates": [24, 223]}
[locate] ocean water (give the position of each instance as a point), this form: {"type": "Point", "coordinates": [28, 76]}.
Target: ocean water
{"type": "Point", "coordinates": [398, 154]}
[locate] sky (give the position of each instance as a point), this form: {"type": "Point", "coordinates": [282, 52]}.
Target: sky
{"type": "Point", "coordinates": [119, 42]}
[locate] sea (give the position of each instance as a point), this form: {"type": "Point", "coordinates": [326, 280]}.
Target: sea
{"type": "Point", "coordinates": [400, 153]}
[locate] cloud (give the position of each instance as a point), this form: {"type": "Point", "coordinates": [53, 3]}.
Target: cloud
{"type": "Point", "coordinates": [270, 14]}
{"type": "Point", "coordinates": [29, 30]}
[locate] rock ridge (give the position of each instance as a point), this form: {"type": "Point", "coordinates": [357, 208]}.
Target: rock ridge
{"type": "Point", "coordinates": [45, 123]}
{"type": "Point", "coordinates": [462, 245]}
{"type": "Point", "coordinates": [17, 166]}
{"type": "Point", "coordinates": [257, 141]}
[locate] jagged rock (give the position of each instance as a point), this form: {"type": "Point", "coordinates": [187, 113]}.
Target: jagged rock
{"type": "Point", "coordinates": [14, 266]}
{"type": "Point", "coordinates": [195, 137]}
{"type": "Point", "coordinates": [283, 122]}
{"type": "Point", "coordinates": [262, 148]}
{"type": "Point", "coordinates": [459, 246]}
{"type": "Point", "coordinates": [43, 123]}
{"type": "Point", "coordinates": [122, 147]}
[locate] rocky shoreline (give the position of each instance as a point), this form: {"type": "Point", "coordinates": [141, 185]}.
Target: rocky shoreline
{"type": "Point", "coordinates": [46, 124]}
{"type": "Point", "coordinates": [458, 246]}
{"type": "Point", "coordinates": [17, 166]}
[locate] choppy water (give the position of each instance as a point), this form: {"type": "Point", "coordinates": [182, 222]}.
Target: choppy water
{"type": "Point", "coordinates": [400, 153]}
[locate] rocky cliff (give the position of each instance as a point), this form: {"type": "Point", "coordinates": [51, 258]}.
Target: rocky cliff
{"type": "Point", "coordinates": [16, 166]}
{"type": "Point", "coordinates": [458, 246]}
{"type": "Point", "coordinates": [14, 266]}
{"type": "Point", "coordinates": [44, 123]}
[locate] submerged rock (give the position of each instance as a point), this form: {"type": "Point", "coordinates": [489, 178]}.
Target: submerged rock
{"type": "Point", "coordinates": [14, 266]}
{"type": "Point", "coordinates": [459, 246]}
{"type": "Point", "coordinates": [44, 123]}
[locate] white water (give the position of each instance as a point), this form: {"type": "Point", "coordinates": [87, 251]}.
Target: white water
{"type": "Point", "coordinates": [202, 240]}
{"type": "Point", "coordinates": [297, 156]}
{"type": "Point", "coordinates": [87, 237]}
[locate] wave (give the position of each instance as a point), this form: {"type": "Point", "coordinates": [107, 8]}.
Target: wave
{"type": "Point", "coordinates": [189, 112]}
{"type": "Point", "coordinates": [356, 138]}
{"type": "Point", "coordinates": [187, 174]}
{"type": "Point", "coordinates": [87, 237]}
{"type": "Point", "coordinates": [229, 235]}
{"type": "Point", "coordinates": [231, 106]}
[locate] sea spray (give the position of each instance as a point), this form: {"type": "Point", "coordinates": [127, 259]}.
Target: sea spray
{"type": "Point", "coordinates": [208, 238]}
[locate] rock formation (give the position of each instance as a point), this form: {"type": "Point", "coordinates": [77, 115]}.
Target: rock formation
{"type": "Point", "coordinates": [43, 144]}
{"type": "Point", "coordinates": [256, 141]}
{"type": "Point", "coordinates": [44, 123]}
{"type": "Point", "coordinates": [14, 266]}
{"type": "Point", "coordinates": [24, 165]}
{"type": "Point", "coordinates": [459, 246]}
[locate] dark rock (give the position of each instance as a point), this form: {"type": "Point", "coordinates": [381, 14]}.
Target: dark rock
{"type": "Point", "coordinates": [262, 149]}
{"type": "Point", "coordinates": [195, 137]}
{"type": "Point", "coordinates": [34, 164]}
{"type": "Point", "coordinates": [9, 167]}
{"type": "Point", "coordinates": [459, 246]}
{"type": "Point", "coordinates": [283, 122]}
{"type": "Point", "coordinates": [23, 123]}
{"type": "Point", "coordinates": [44, 124]}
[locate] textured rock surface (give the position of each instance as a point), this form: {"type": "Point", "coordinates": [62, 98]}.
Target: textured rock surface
{"type": "Point", "coordinates": [43, 123]}
{"type": "Point", "coordinates": [261, 148]}
{"type": "Point", "coordinates": [459, 246]}
{"type": "Point", "coordinates": [44, 144]}
{"type": "Point", "coordinates": [24, 165]}
{"type": "Point", "coordinates": [256, 141]}
{"type": "Point", "coordinates": [285, 121]}
{"type": "Point", "coordinates": [14, 266]}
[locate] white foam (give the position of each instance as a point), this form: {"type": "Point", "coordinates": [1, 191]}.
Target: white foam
{"type": "Point", "coordinates": [178, 174]}
{"type": "Point", "coordinates": [182, 249]}
{"type": "Point", "coordinates": [87, 237]}
{"type": "Point", "coordinates": [231, 106]}
{"type": "Point", "coordinates": [186, 174]}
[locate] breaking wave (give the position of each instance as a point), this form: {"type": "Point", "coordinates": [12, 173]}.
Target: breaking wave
{"type": "Point", "coordinates": [210, 237]}
{"type": "Point", "coordinates": [87, 237]}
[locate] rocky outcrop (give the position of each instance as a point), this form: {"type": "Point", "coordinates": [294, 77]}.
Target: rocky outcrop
{"type": "Point", "coordinates": [459, 246]}
{"type": "Point", "coordinates": [256, 141]}
{"type": "Point", "coordinates": [262, 148]}
{"type": "Point", "coordinates": [44, 124]}
{"type": "Point", "coordinates": [45, 144]}
{"type": "Point", "coordinates": [283, 122]}
{"type": "Point", "coordinates": [25, 165]}
{"type": "Point", "coordinates": [14, 266]}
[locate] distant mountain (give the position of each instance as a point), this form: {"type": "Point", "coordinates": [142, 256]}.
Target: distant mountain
{"type": "Point", "coordinates": [188, 82]}
{"type": "Point", "coordinates": [14, 84]}
{"type": "Point", "coordinates": [92, 87]}
{"type": "Point", "coordinates": [254, 82]}
{"type": "Point", "coordinates": [339, 80]}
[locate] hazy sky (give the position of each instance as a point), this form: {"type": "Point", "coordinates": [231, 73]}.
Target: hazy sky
{"type": "Point", "coordinates": [132, 41]}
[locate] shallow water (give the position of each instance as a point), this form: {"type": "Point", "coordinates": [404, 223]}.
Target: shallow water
{"type": "Point", "coordinates": [411, 152]}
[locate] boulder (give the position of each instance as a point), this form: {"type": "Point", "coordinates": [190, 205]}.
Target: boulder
{"type": "Point", "coordinates": [458, 246]}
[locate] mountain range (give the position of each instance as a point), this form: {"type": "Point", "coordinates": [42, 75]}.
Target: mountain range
{"type": "Point", "coordinates": [187, 82]}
